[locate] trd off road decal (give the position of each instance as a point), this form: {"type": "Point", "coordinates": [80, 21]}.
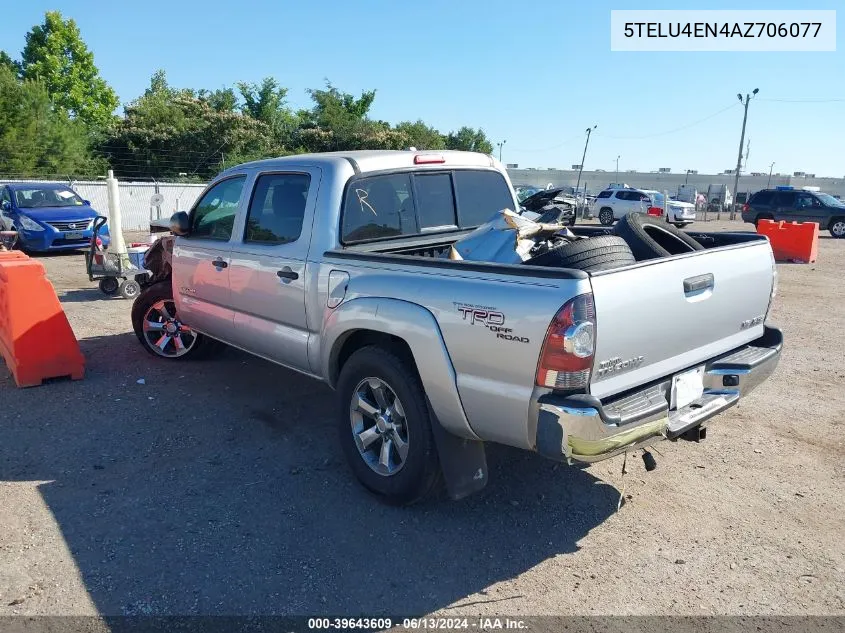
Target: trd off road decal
{"type": "Point", "coordinates": [490, 318]}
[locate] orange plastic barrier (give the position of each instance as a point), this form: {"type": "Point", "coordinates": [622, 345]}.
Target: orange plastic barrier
{"type": "Point", "coordinates": [792, 241]}
{"type": "Point", "coordinates": [35, 337]}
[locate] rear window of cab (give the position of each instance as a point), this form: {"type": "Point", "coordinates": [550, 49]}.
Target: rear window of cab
{"type": "Point", "coordinates": [401, 204]}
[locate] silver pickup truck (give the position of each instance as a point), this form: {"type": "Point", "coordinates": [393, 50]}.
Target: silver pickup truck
{"type": "Point", "coordinates": [332, 265]}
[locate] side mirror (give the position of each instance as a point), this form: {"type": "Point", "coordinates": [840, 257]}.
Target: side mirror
{"type": "Point", "coordinates": [87, 202]}
{"type": "Point", "coordinates": [180, 223]}
{"type": "Point", "coordinates": [6, 205]}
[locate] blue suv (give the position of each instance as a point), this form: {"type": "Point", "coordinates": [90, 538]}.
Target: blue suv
{"type": "Point", "coordinates": [48, 217]}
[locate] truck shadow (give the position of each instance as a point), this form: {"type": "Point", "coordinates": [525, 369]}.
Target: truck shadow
{"type": "Point", "coordinates": [219, 488]}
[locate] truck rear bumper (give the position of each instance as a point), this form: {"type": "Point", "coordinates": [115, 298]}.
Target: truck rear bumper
{"type": "Point", "coordinates": [583, 428]}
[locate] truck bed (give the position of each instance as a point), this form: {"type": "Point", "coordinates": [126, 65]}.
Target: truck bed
{"type": "Point", "coordinates": [649, 324]}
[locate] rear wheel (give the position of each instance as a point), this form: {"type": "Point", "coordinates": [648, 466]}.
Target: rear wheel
{"type": "Point", "coordinates": [109, 285]}
{"type": "Point", "coordinates": [162, 333]}
{"type": "Point", "coordinates": [606, 216]}
{"type": "Point", "coordinates": [837, 228]}
{"type": "Point", "coordinates": [385, 426]}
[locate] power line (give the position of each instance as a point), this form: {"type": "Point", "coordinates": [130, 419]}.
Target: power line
{"type": "Point", "coordinates": [546, 149]}
{"type": "Point", "coordinates": [677, 129]}
{"type": "Point", "coordinates": [811, 100]}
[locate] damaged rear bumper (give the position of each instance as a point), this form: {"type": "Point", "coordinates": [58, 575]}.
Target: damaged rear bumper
{"type": "Point", "coordinates": [583, 428]}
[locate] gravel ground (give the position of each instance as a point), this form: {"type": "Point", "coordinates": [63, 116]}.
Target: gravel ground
{"type": "Point", "coordinates": [218, 488]}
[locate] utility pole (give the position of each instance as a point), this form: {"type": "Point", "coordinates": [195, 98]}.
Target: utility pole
{"type": "Point", "coordinates": [500, 143]}
{"type": "Point", "coordinates": [686, 178]}
{"type": "Point", "coordinates": [583, 158]}
{"type": "Point", "coordinates": [617, 169]}
{"type": "Point", "coordinates": [769, 181]}
{"type": "Point", "coordinates": [741, 143]}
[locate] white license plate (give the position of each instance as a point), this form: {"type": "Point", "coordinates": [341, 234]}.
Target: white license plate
{"type": "Point", "coordinates": [687, 387]}
{"type": "Point", "coordinates": [74, 236]}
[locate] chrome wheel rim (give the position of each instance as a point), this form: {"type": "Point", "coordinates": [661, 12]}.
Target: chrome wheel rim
{"type": "Point", "coordinates": [838, 229]}
{"type": "Point", "coordinates": [605, 217]}
{"type": "Point", "coordinates": [164, 333]}
{"type": "Point", "coordinates": [379, 427]}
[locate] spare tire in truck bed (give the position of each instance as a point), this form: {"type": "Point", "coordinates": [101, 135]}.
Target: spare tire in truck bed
{"type": "Point", "coordinates": [650, 237]}
{"type": "Point", "coordinates": [592, 254]}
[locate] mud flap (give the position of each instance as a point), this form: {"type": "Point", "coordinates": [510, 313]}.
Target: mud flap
{"type": "Point", "coordinates": [463, 462]}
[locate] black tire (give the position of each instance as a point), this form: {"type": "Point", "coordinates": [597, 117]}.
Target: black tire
{"type": "Point", "coordinates": [650, 238]}
{"type": "Point", "coordinates": [419, 474]}
{"type": "Point", "coordinates": [762, 216]}
{"type": "Point", "coordinates": [593, 254]}
{"type": "Point", "coordinates": [109, 285]}
{"type": "Point", "coordinates": [204, 347]}
{"type": "Point", "coordinates": [837, 228]}
{"type": "Point", "coordinates": [606, 216]}
{"type": "Point", "coordinates": [129, 289]}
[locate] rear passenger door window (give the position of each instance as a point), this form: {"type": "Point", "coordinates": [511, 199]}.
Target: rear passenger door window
{"type": "Point", "coordinates": [378, 207]}
{"type": "Point", "coordinates": [277, 208]}
{"type": "Point", "coordinates": [435, 201]}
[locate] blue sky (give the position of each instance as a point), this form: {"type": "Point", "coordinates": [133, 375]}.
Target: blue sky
{"type": "Point", "coordinates": [535, 74]}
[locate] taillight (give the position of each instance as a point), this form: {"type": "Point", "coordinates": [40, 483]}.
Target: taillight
{"type": "Point", "coordinates": [745, 208]}
{"type": "Point", "coordinates": [567, 355]}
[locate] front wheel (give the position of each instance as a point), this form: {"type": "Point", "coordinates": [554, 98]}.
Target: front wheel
{"type": "Point", "coordinates": [837, 228]}
{"type": "Point", "coordinates": [606, 216]}
{"type": "Point", "coordinates": [385, 426]}
{"type": "Point", "coordinates": [129, 289]}
{"type": "Point", "coordinates": [161, 332]}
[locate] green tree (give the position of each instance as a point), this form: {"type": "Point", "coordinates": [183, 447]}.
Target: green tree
{"type": "Point", "coordinates": [168, 131]}
{"type": "Point", "coordinates": [338, 121]}
{"type": "Point", "coordinates": [9, 63]}
{"type": "Point", "coordinates": [267, 102]}
{"type": "Point", "coordinates": [469, 140]}
{"type": "Point", "coordinates": [37, 140]}
{"type": "Point", "coordinates": [221, 100]}
{"type": "Point", "coordinates": [56, 55]}
{"type": "Point", "coordinates": [421, 136]}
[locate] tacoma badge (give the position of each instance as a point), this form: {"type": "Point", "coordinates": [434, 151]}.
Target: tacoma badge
{"type": "Point", "coordinates": [615, 365]}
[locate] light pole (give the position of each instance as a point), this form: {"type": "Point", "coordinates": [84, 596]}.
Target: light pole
{"type": "Point", "coordinates": [769, 181]}
{"type": "Point", "coordinates": [500, 143]}
{"type": "Point", "coordinates": [617, 169]}
{"type": "Point", "coordinates": [583, 158]}
{"type": "Point", "coordinates": [741, 142]}
{"type": "Point", "coordinates": [686, 178]}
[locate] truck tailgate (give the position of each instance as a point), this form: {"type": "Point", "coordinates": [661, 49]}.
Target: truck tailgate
{"type": "Point", "coordinates": [665, 315]}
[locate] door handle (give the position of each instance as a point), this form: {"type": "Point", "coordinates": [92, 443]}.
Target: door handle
{"type": "Point", "coordinates": [287, 274]}
{"type": "Point", "coordinates": [702, 282]}
{"type": "Point", "coordinates": [219, 263]}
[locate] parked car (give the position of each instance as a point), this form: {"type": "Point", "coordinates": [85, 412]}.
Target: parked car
{"type": "Point", "coordinates": [526, 191]}
{"type": "Point", "coordinates": [48, 217]}
{"type": "Point", "coordinates": [795, 205]}
{"type": "Point", "coordinates": [551, 205]}
{"type": "Point", "coordinates": [719, 197]}
{"type": "Point", "coordinates": [332, 265]}
{"type": "Point", "coordinates": [679, 213]}
{"type": "Point", "coordinates": [613, 204]}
